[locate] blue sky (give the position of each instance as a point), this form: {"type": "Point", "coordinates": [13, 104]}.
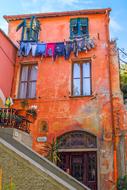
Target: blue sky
{"type": "Point", "coordinates": [118, 22]}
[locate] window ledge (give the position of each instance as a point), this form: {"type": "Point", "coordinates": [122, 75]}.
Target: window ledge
{"type": "Point", "coordinates": [88, 96]}
{"type": "Point", "coordinates": [19, 99]}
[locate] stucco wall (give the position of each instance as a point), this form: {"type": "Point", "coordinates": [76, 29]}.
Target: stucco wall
{"type": "Point", "coordinates": [64, 113]}
{"type": "Point", "coordinates": [55, 104]}
{"type": "Point", "coordinates": [7, 61]}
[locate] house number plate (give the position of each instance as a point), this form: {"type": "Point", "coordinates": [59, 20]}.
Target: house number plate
{"type": "Point", "coordinates": [41, 139]}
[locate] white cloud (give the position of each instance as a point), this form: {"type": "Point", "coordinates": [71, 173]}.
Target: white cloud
{"type": "Point", "coordinates": [54, 5]}
{"type": "Point", "coordinates": [72, 2]}
{"type": "Point", "coordinates": [68, 2]}
{"type": "Point", "coordinates": [115, 26]}
{"type": "Point", "coordinates": [61, 5]}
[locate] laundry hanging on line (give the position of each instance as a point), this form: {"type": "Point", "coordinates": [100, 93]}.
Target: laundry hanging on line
{"type": "Point", "coordinates": [56, 49]}
{"type": "Point", "coordinates": [59, 50]}
{"type": "Point", "coordinates": [40, 49]}
{"type": "Point", "coordinates": [50, 49]}
{"type": "Point", "coordinates": [69, 46]}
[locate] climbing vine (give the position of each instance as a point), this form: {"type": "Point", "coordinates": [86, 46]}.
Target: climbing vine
{"type": "Point", "coordinates": [123, 71]}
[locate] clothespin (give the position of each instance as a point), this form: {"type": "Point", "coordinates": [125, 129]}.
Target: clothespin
{"type": "Point", "coordinates": [42, 58]}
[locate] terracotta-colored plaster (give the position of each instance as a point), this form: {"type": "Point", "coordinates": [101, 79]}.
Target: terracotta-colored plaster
{"type": "Point", "coordinates": [7, 61]}
{"type": "Point", "coordinates": [100, 114]}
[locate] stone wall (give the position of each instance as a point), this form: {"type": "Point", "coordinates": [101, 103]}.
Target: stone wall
{"type": "Point", "coordinates": [24, 175]}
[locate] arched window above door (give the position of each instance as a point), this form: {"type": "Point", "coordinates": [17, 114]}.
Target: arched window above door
{"type": "Point", "coordinates": [77, 140]}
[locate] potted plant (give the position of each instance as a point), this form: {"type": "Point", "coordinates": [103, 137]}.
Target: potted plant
{"type": "Point", "coordinates": [32, 113]}
{"type": "Point", "coordinates": [53, 155]}
{"type": "Point", "coordinates": [8, 102]}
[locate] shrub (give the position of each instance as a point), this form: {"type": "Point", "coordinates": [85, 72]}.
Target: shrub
{"type": "Point", "coordinates": [122, 183]}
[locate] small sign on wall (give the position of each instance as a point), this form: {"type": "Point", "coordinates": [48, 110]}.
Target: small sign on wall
{"type": "Point", "coordinates": [42, 139]}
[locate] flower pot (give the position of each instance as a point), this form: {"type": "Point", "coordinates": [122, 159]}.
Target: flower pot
{"type": "Point", "coordinates": [30, 118]}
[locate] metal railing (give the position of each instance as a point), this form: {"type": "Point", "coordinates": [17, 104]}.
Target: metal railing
{"type": "Point", "coordinates": [9, 117]}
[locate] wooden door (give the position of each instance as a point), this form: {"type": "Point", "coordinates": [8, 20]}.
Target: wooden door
{"type": "Point", "coordinates": [82, 166]}
{"type": "Point", "coordinates": [91, 168]}
{"type": "Point", "coordinates": [77, 166]}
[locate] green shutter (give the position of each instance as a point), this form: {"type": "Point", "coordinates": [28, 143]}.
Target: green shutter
{"type": "Point", "coordinates": [73, 23]}
{"type": "Point", "coordinates": [32, 22]}
{"type": "Point", "coordinates": [83, 24]}
{"type": "Point", "coordinates": [23, 26]}
{"type": "Point", "coordinates": [34, 28]}
{"type": "Point", "coordinates": [82, 27]}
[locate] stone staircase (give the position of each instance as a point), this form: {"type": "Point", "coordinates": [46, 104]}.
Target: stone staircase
{"type": "Point", "coordinates": [20, 144]}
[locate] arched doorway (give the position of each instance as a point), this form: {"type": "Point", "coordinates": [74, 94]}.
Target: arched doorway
{"type": "Point", "coordinates": [78, 156]}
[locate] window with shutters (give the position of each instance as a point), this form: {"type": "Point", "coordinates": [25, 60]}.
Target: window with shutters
{"type": "Point", "coordinates": [79, 27]}
{"type": "Point", "coordinates": [27, 84]}
{"type": "Point", "coordinates": [81, 79]}
{"type": "Point", "coordinates": [30, 29]}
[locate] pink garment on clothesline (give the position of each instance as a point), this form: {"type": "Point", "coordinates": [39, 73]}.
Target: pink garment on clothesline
{"type": "Point", "coordinates": [50, 49]}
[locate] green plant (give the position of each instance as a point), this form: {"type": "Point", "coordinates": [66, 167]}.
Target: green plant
{"type": "Point", "coordinates": [10, 186]}
{"type": "Point", "coordinates": [122, 183]}
{"type": "Point", "coordinates": [2, 115]}
{"type": "Point", "coordinates": [53, 151]}
{"type": "Point", "coordinates": [24, 103]}
{"type": "Point", "coordinates": [7, 187]}
{"type": "Point", "coordinates": [18, 119]}
{"type": "Point", "coordinates": [123, 80]}
{"type": "Point", "coordinates": [32, 111]}
{"type": "Point", "coordinates": [8, 102]}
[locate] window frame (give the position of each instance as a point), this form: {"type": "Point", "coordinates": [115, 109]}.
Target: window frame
{"type": "Point", "coordinates": [81, 62]}
{"type": "Point", "coordinates": [28, 80]}
{"type": "Point", "coordinates": [30, 34]}
{"type": "Point", "coordinates": [79, 26]}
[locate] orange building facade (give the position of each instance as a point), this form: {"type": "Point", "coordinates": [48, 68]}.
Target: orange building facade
{"type": "Point", "coordinates": [78, 99]}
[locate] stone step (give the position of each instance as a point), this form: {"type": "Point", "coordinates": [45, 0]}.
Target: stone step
{"type": "Point", "coordinates": [7, 135]}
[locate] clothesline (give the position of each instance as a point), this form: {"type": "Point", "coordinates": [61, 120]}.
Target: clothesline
{"type": "Point", "coordinates": [55, 49]}
{"type": "Point", "coordinates": [94, 37]}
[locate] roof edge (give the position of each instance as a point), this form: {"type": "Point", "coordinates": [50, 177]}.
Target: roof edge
{"type": "Point", "coordinates": [9, 18]}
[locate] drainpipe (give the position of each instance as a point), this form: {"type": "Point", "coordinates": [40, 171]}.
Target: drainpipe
{"type": "Point", "coordinates": [110, 88]}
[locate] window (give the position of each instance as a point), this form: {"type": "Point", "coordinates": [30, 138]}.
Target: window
{"type": "Point", "coordinates": [81, 79]}
{"type": "Point", "coordinates": [78, 27]}
{"type": "Point", "coordinates": [27, 86]}
{"type": "Point", "coordinates": [30, 29]}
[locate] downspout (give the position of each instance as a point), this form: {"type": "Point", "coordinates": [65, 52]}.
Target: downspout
{"type": "Point", "coordinates": [111, 100]}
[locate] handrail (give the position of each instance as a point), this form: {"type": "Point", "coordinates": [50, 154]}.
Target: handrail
{"type": "Point", "coordinates": [9, 117]}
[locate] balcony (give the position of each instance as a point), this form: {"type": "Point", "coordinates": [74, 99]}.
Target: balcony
{"type": "Point", "coordinates": [11, 118]}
